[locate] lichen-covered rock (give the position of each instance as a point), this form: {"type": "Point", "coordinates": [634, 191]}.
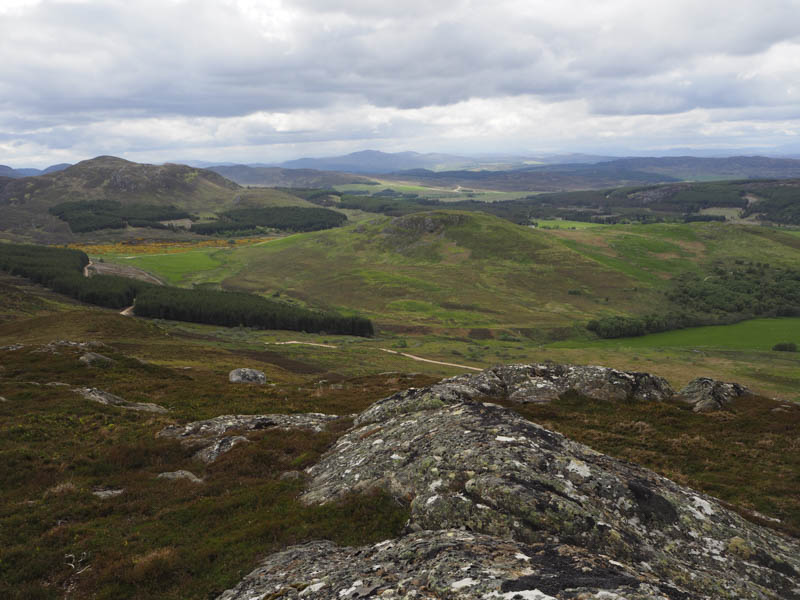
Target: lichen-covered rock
{"type": "Point", "coordinates": [706, 394]}
{"type": "Point", "coordinates": [247, 376]}
{"type": "Point", "coordinates": [483, 468]}
{"type": "Point", "coordinates": [524, 383]}
{"type": "Point", "coordinates": [107, 398]}
{"type": "Point", "coordinates": [448, 564]}
{"type": "Point", "coordinates": [210, 437]}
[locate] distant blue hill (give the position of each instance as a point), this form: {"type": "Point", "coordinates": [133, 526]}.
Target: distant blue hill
{"type": "Point", "coordinates": [6, 171]}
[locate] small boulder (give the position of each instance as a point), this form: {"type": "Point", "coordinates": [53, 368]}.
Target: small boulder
{"type": "Point", "coordinates": [706, 394]}
{"type": "Point", "coordinates": [247, 376]}
{"type": "Point", "coordinates": [104, 492]}
{"type": "Point", "coordinates": [173, 475]}
{"type": "Point", "coordinates": [93, 359]}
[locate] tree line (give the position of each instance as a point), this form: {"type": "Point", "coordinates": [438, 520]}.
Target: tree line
{"type": "Point", "coordinates": [90, 215]}
{"type": "Point", "coordinates": [292, 218]}
{"type": "Point", "coordinates": [61, 269]}
{"type": "Point", "coordinates": [732, 293]}
{"type": "Point", "coordinates": [234, 309]}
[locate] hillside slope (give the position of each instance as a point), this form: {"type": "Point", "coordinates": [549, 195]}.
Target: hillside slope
{"type": "Point", "coordinates": [441, 269]}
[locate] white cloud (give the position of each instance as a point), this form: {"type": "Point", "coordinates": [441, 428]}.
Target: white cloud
{"type": "Point", "coordinates": [277, 76]}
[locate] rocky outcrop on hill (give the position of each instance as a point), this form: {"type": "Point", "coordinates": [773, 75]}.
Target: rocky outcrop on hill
{"type": "Point", "coordinates": [247, 376]}
{"type": "Point", "coordinates": [541, 382]}
{"type": "Point", "coordinates": [706, 394]}
{"type": "Point", "coordinates": [503, 508]}
{"type": "Point", "coordinates": [211, 439]}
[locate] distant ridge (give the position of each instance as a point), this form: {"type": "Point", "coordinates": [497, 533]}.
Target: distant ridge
{"type": "Point", "coordinates": [374, 161]}
{"type": "Point", "coordinates": [6, 171]}
{"type": "Point", "coordinates": [290, 178]}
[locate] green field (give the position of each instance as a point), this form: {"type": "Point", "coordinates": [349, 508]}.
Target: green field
{"type": "Point", "coordinates": [755, 334]}
{"type": "Point", "coordinates": [209, 265]}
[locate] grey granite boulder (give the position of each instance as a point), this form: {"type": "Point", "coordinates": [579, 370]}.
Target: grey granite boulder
{"type": "Point", "coordinates": [247, 376]}
{"type": "Point", "coordinates": [706, 394]}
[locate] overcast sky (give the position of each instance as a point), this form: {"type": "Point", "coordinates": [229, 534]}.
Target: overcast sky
{"type": "Point", "coordinates": [268, 80]}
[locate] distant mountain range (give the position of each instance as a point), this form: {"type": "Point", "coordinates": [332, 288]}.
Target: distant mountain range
{"type": "Point", "coordinates": [6, 171]}
{"type": "Point", "coordinates": [613, 173]}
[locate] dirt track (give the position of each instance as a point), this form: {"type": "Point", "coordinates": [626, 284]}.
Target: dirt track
{"type": "Point", "coordinates": [428, 360]}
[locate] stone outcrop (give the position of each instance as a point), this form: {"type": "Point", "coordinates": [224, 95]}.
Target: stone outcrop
{"type": "Point", "coordinates": [247, 376]}
{"type": "Point", "coordinates": [93, 359]}
{"type": "Point", "coordinates": [542, 382]}
{"type": "Point", "coordinates": [706, 394]}
{"type": "Point", "coordinates": [182, 474]}
{"type": "Point", "coordinates": [109, 399]}
{"type": "Point", "coordinates": [210, 437]}
{"type": "Point", "coordinates": [503, 508]}
{"type": "Point", "coordinates": [105, 492]}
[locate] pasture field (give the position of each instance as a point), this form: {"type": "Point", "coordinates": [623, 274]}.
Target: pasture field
{"type": "Point", "coordinates": [755, 334]}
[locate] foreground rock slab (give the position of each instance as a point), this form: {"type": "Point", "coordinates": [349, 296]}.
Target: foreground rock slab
{"type": "Point", "coordinates": [447, 564]}
{"type": "Point", "coordinates": [480, 478]}
{"type": "Point", "coordinates": [210, 437]}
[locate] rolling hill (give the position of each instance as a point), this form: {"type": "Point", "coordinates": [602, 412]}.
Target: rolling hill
{"type": "Point", "coordinates": [462, 274]}
{"type": "Point", "coordinates": [24, 202]}
{"type": "Point", "coordinates": [441, 270]}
